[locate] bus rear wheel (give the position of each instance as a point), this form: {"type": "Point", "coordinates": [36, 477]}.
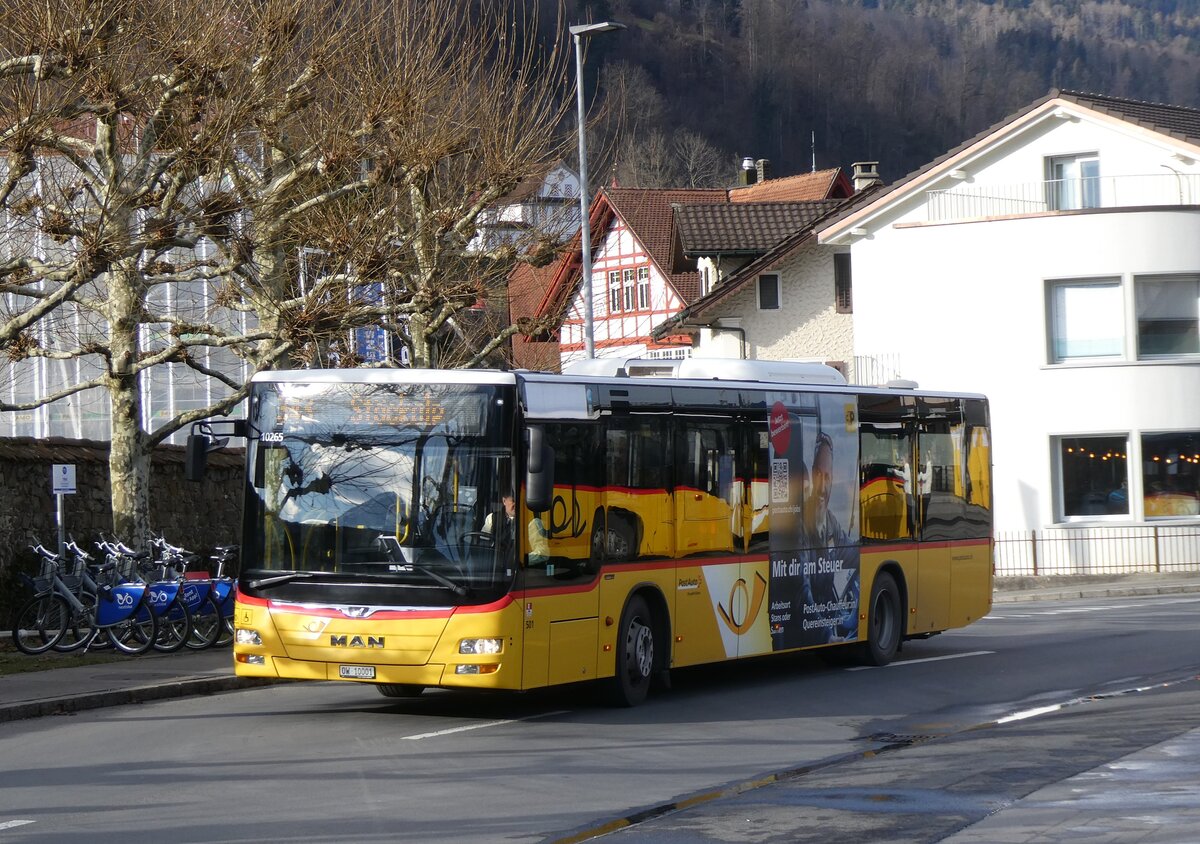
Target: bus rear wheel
{"type": "Point", "coordinates": [884, 621]}
{"type": "Point", "coordinates": [399, 689]}
{"type": "Point", "coordinates": [636, 655]}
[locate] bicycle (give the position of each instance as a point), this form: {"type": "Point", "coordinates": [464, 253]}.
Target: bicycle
{"type": "Point", "coordinates": [197, 594]}
{"type": "Point", "coordinates": [60, 604]}
{"type": "Point", "coordinates": [166, 600]}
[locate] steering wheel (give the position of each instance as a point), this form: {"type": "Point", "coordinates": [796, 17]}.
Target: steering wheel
{"type": "Point", "coordinates": [477, 538]}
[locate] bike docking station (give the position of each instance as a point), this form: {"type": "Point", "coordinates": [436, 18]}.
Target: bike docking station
{"type": "Point", "coordinates": [62, 484]}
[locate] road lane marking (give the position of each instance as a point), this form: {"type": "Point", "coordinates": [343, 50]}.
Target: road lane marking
{"type": "Point", "coordinates": [13, 824]}
{"type": "Point", "coordinates": [1030, 713]}
{"type": "Point", "coordinates": [915, 661]}
{"type": "Point", "coordinates": [467, 727]}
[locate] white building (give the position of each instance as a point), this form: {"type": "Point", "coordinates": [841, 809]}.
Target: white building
{"type": "Point", "coordinates": [1053, 263]}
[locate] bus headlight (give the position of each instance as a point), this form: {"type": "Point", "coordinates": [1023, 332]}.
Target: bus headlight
{"type": "Point", "coordinates": [480, 646]}
{"type": "Point", "coordinates": [245, 636]}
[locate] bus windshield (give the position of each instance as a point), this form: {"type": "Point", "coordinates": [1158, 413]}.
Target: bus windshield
{"type": "Point", "coordinates": [398, 483]}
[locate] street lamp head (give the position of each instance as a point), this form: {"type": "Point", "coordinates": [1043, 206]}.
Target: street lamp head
{"type": "Point", "coordinates": [584, 29]}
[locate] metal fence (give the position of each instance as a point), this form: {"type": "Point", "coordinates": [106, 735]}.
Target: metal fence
{"type": "Point", "coordinates": [1076, 551]}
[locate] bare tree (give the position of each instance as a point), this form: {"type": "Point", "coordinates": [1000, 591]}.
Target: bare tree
{"type": "Point", "coordinates": [225, 186]}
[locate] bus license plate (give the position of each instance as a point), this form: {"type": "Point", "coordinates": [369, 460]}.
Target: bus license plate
{"type": "Point", "coordinates": [357, 672]}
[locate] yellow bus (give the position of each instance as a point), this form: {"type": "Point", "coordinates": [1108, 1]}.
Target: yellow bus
{"type": "Point", "coordinates": [516, 530]}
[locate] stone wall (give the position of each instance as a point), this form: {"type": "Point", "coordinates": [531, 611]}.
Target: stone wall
{"type": "Point", "coordinates": [194, 515]}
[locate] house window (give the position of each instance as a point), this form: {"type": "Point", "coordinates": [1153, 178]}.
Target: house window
{"type": "Point", "coordinates": [1086, 319]}
{"type": "Point", "coordinates": [1073, 181]}
{"type": "Point", "coordinates": [1094, 475]}
{"type": "Point", "coordinates": [1168, 316]}
{"type": "Point", "coordinates": [627, 281]}
{"type": "Point", "coordinates": [643, 288]}
{"type": "Point", "coordinates": [614, 292]}
{"type": "Point", "coordinates": [1171, 474]}
{"type": "Point", "coordinates": [769, 298]}
{"type": "Point", "coordinates": [843, 300]}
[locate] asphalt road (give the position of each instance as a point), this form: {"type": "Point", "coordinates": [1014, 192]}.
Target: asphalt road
{"type": "Point", "coordinates": [775, 749]}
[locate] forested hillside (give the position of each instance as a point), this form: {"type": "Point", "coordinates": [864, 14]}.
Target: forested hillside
{"type": "Point", "coordinates": [693, 85]}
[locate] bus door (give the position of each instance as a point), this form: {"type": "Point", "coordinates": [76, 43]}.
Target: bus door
{"type": "Point", "coordinates": [560, 563]}
{"type": "Point", "coordinates": [939, 507]}
{"type": "Point", "coordinates": [888, 493]}
{"type": "Point", "coordinates": [719, 596]}
{"type": "Point", "coordinates": [971, 532]}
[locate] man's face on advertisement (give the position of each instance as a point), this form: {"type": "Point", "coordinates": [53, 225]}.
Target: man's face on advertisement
{"type": "Point", "coordinates": [822, 482]}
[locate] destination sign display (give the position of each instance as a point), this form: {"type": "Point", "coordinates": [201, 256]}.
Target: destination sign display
{"type": "Point", "coordinates": [372, 406]}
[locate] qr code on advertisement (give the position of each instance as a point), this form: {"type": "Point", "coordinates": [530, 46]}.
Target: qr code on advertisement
{"type": "Point", "coordinates": [779, 480]}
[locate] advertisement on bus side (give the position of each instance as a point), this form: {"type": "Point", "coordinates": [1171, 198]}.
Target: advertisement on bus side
{"type": "Point", "coordinates": [814, 582]}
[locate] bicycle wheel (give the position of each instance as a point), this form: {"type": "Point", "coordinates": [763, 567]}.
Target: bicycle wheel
{"type": "Point", "coordinates": [174, 627]}
{"type": "Point", "coordinates": [207, 625]}
{"type": "Point", "coordinates": [40, 623]}
{"type": "Point", "coordinates": [81, 628]}
{"type": "Point", "coordinates": [136, 634]}
{"type": "Point", "coordinates": [226, 638]}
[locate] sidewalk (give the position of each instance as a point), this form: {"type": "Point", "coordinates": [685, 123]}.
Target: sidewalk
{"type": "Point", "coordinates": [1065, 588]}
{"type": "Point", "coordinates": [154, 676]}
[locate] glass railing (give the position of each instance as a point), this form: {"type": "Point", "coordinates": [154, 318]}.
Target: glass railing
{"type": "Point", "coordinates": [972, 201]}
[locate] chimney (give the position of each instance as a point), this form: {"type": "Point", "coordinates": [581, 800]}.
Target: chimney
{"type": "Point", "coordinates": [763, 166]}
{"type": "Point", "coordinates": [866, 173]}
{"type": "Point", "coordinates": [746, 175]}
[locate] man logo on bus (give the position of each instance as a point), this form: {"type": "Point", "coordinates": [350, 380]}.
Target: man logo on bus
{"type": "Point", "coordinates": [739, 599]}
{"type": "Point", "coordinates": [337, 641]}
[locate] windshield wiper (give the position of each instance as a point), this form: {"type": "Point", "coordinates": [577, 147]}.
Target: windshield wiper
{"type": "Point", "coordinates": [278, 579]}
{"type": "Point", "coordinates": [457, 589]}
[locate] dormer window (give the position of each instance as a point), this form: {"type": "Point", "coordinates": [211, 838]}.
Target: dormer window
{"type": "Point", "coordinates": [1073, 182]}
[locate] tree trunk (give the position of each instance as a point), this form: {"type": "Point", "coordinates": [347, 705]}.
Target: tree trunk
{"type": "Point", "coordinates": [422, 351]}
{"type": "Point", "coordinates": [128, 456]}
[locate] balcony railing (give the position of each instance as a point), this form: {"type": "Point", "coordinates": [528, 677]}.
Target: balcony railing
{"type": "Point", "coordinates": [971, 201]}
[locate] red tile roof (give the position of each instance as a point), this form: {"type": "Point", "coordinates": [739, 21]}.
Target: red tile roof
{"type": "Point", "coordinates": [527, 286]}
{"type": "Point", "coordinates": [648, 214]}
{"type": "Point", "coordinates": [819, 184]}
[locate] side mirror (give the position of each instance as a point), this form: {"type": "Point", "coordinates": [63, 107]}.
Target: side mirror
{"type": "Point", "coordinates": [539, 472]}
{"type": "Point", "coordinates": [203, 439]}
{"type": "Point", "coordinates": [195, 459]}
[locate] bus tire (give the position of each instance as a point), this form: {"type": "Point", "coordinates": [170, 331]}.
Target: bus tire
{"type": "Point", "coordinates": [884, 621]}
{"type": "Point", "coordinates": [636, 655]}
{"type": "Point", "coordinates": [399, 689]}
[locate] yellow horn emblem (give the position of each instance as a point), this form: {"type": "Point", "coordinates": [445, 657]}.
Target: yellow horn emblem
{"type": "Point", "coordinates": [754, 604]}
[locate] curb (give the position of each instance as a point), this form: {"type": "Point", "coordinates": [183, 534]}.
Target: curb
{"type": "Point", "coordinates": [183, 687]}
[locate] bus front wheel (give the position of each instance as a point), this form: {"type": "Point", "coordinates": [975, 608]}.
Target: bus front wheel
{"type": "Point", "coordinates": [636, 654]}
{"type": "Point", "coordinates": [399, 689]}
{"type": "Point", "coordinates": [884, 621]}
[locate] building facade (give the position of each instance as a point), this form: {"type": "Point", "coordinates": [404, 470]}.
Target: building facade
{"type": "Point", "coordinates": [1052, 263]}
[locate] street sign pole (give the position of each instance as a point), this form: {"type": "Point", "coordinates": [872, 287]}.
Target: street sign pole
{"type": "Point", "coordinates": [62, 484]}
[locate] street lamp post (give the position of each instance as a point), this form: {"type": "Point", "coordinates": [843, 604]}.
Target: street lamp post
{"type": "Point", "coordinates": [585, 233]}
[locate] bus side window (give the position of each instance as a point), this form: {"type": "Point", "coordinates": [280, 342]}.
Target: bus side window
{"type": "Point", "coordinates": [708, 497]}
{"type": "Point", "coordinates": [978, 458]}
{"type": "Point", "coordinates": [942, 478]}
{"type": "Point", "coordinates": [756, 467]}
{"type": "Point", "coordinates": [578, 476]}
{"type": "Point", "coordinates": [887, 479]}
{"type": "Point", "coordinates": [634, 519]}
